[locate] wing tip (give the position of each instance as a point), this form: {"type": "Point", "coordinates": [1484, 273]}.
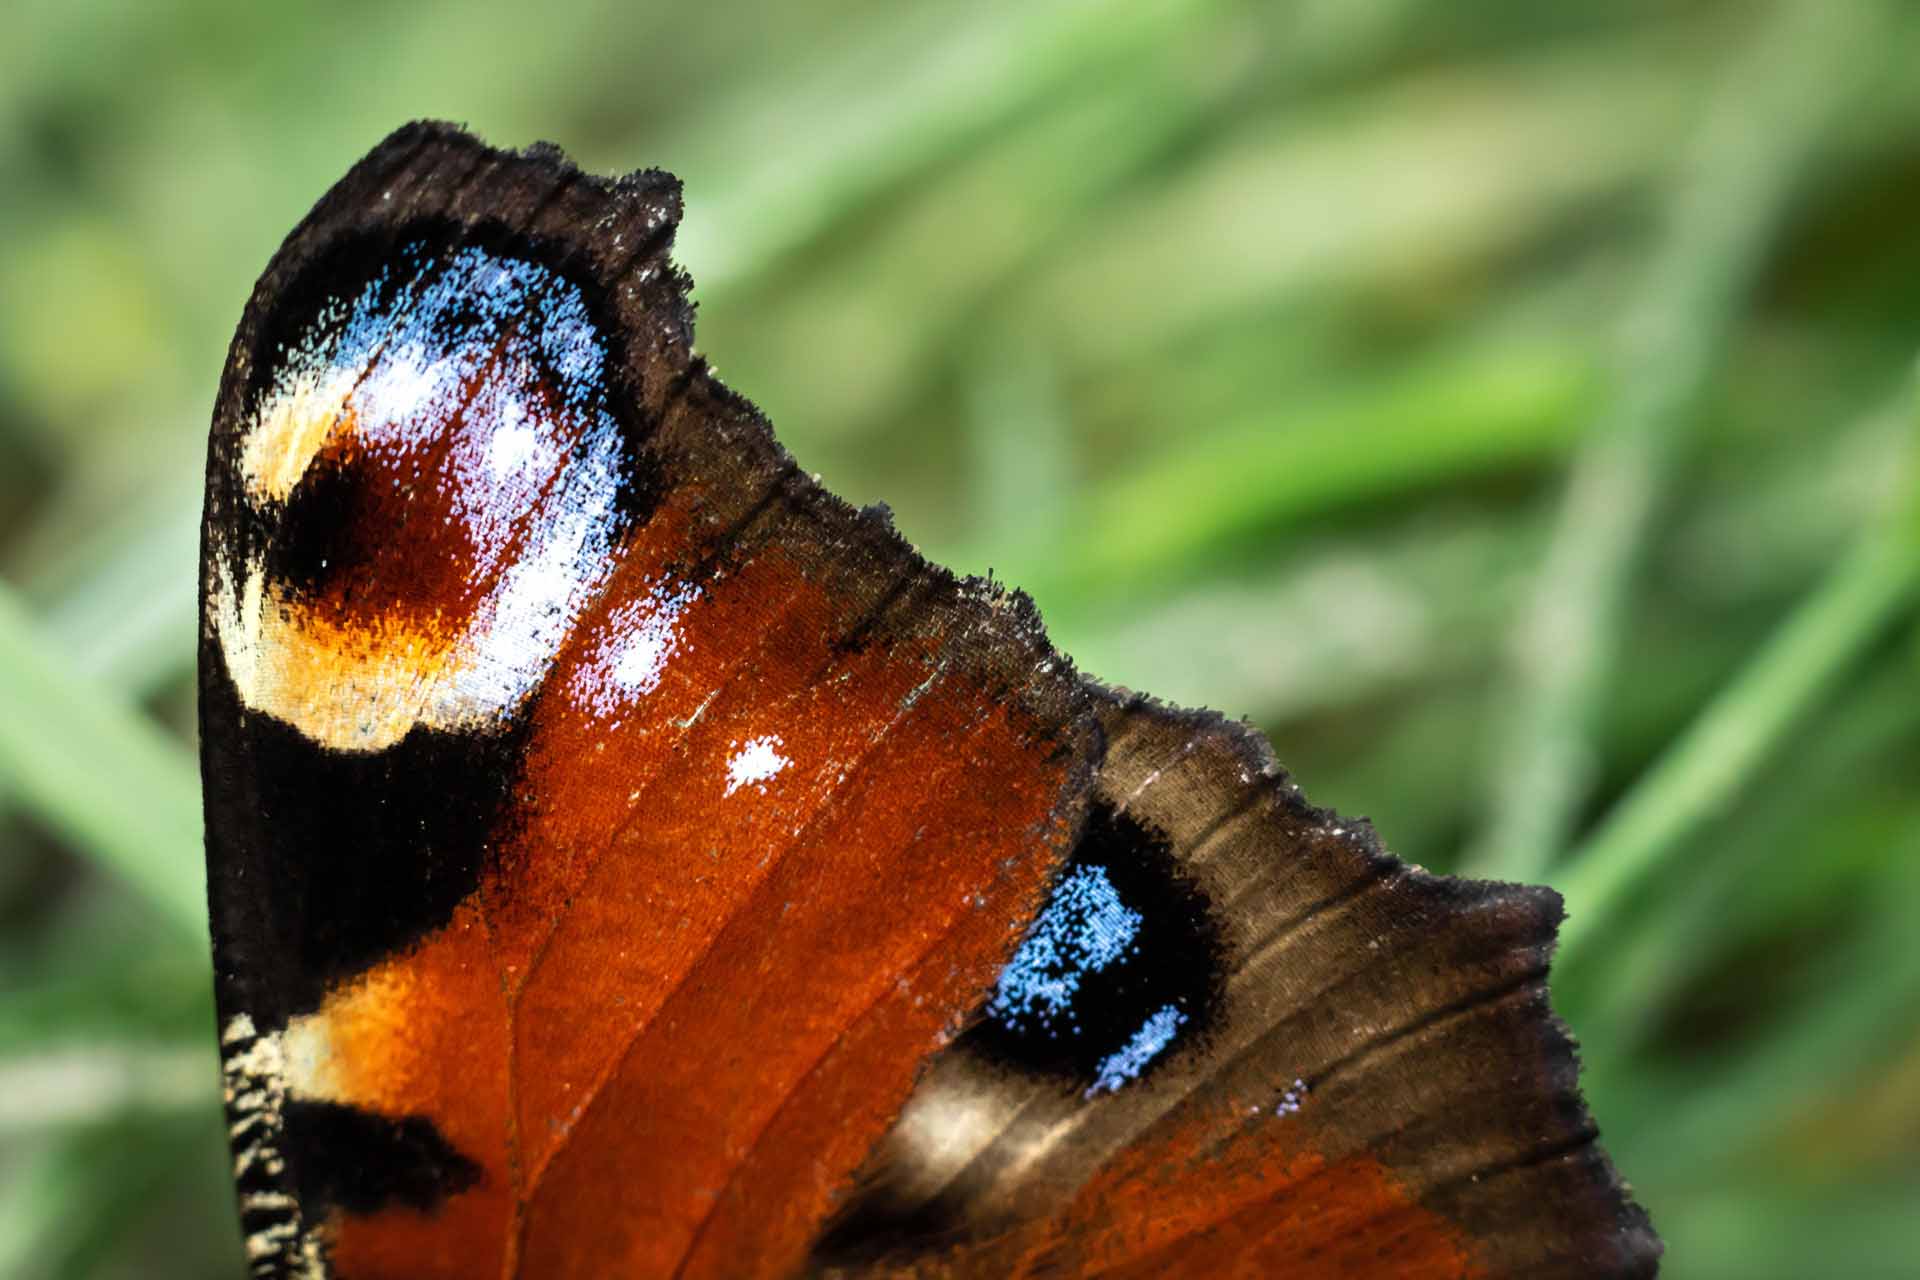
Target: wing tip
{"type": "Point", "coordinates": [1619, 1238]}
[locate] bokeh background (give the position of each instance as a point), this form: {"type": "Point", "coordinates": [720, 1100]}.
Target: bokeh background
{"type": "Point", "coordinates": [1506, 405]}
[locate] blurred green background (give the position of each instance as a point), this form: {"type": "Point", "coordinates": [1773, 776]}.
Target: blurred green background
{"type": "Point", "coordinates": [1507, 405]}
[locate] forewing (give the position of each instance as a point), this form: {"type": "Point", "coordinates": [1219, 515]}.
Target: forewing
{"type": "Point", "coordinates": [589, 794]}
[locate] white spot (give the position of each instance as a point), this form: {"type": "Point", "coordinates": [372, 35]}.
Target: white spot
{"type": "Point", "coordinates": [631, 653]}
{"type": "Point", "coordinates": [948, 1126]}
{"type": "Point", "coordinates": [513, 443]}
{"type": "Point", "coordinates": [755, 762]}
{"type": "Point", "coordinates": [1290, 1101]}
{"type": "Point", "coordinates": [401, 390]}
{"type": "Point", "coordinates": [644, 651]}
{"type": "Point", "coordinates": [306, 1056]}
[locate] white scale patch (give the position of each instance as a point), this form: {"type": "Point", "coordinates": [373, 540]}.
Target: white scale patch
{"type": "Point", "coordinates": [630, 654]}
{"type": "Point", "coordinates": [756, 761]}
{"type": "Point", "coordinates": [512, 445]}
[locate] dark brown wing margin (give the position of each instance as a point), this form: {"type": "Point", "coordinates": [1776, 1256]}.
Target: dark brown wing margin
{"type": "Point", "coordinates": [1429, 1041]}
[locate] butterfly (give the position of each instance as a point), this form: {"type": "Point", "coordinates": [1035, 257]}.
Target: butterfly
{"type": "Point", "coordinates": [628, 859]}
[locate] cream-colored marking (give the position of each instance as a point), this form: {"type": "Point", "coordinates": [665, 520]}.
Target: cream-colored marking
{"type": "Point", "coordinates": [255, 1080]}
{"type": "Point", "coordinates": [304, 413]}
{"type": "Point", "coordinates": [326, 1051]}
{"type": "Point", "coordinates": [244, 1158]}
{"type": "Point", "coordinates": [942, 1130]}
{"type": "Point", "coordinates": [311, 1067]}
{"type": "Point", "coordinates": [255, 1069]}
{"type": "Point", "coordinates": [267, 1241]}
{"type": "Point", "coordinates": [949, 1129]}
{"type": "Point", "coordinates": [352, 690]}
{"type": "Point", "coordinates": [268, 1200]}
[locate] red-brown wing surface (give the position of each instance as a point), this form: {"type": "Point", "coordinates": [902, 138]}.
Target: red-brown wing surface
{"type": "Point", "coordinates": [628, 859]}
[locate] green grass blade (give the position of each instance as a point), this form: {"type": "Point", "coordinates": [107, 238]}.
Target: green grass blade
{"type": "Point", "coordinates": [108, 780]}
{"type": "Point", "coordinates": [121, 609]}
{"type": "Point", "coordinates": [1708, 764]}
{"type": "Point", "coordinates": [1723, 211]}
{"type": "Point", "coordinates": [1471, 412]}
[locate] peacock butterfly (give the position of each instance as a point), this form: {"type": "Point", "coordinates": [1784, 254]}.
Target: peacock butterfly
{"type": "Point", "coordinates": [627, 859]}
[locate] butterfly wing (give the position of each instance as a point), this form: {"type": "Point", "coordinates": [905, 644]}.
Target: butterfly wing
{"type": "Point", "coordinates": [586, 789]}
{"type": "Point", "coordinates": [1313, 1060]}
{"type": "Point", "coordinates": [626, 858]}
